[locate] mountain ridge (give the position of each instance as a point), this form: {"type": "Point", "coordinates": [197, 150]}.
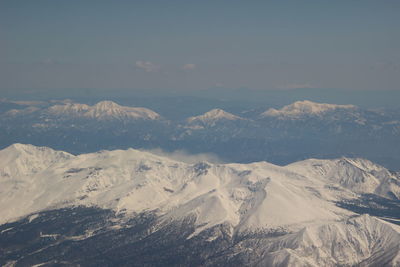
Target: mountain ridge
{"type": "Point", "coordinates": [228, 187]}
{"type": "Point", "coordinates": [269, 214]}
{"type": "Point", "coordinates": [104, 110]}
{"type": "Point", "coordinates": [303, 108]}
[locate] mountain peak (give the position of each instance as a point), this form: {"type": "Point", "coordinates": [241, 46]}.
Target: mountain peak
{"type": "Point", "coordinates": [23, 159]}
{"type": "Point", "coordinates": [306, 107]}
{"type": "Point", "coordinates": [214, 115]}
{"type": "Point", "coordinates": [106, 105]}
{"type": "Point", "coordinates": [29, 149]}
{"type": "Point", "coordinates": [71, 109]}
{"type": "Point", "coordinates": [19, 147]}
{"type": "Point", "coordinates": [104, 110]}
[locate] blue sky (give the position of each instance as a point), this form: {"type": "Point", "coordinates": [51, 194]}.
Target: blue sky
{"type": "Point", "coordinates": [192, 45]}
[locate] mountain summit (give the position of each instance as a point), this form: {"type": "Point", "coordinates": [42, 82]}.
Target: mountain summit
{"type": "Point", "coordinates": [304, 108]}
{"type": "Point", "coordinates": [213, 116]}
{"type": "Point", "coordinates": [104, 110]}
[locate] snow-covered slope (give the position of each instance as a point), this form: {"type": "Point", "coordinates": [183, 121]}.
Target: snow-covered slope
{"type": "Point", "coordinates": [297, 200]}
{"type": "Point", "coordinates": [248, 196]}
{"type": "Point", "coordinates": [361, 240]}
{"type": "Point", "coordinates": [136, 181]}
{"type": "Point", "coordinates": [357, 175]}
{"type": "Point", "coordinates": [104, 110]}
{"type": "Point", "coordinates": [213, 116]}
{"type": "Point", "coordinates": [20, 161]}
{"type": "Point", "coordinates": [304, 108]}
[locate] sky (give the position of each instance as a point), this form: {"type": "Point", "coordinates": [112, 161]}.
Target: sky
{"type": "Point", "coordinates": [195, 45]}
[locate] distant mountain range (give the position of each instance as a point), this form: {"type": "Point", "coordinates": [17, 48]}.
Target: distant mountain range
{"type": "Point", "coordinates": [104, 110]}
{"type": "Point", "coordinates": [130, 207]}
{"type": "Point", "coordinates": [297, 131]}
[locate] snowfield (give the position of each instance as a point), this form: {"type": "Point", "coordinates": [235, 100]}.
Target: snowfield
{"type": "Point", "coordinates": [298, 199]}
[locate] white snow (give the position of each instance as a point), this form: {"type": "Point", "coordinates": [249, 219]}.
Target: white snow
{"type": "Point", "coordinates": [104, 110]}
{"type": "Point", "coordinates": [301, 108]}
{"type": "Point", "coordinates": [362, 239]}
{"type": "Point", "coordinates": [357, 175]}
{"type": "Point", "coordinates": [297, 199]}
{"type": "Point", "coordinates": [212, 117]}
{"type": "Point", "coordinates": [253, 196]}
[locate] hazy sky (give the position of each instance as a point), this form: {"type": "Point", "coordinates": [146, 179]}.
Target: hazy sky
{"type": "Point", "coordinates": [188, 45]}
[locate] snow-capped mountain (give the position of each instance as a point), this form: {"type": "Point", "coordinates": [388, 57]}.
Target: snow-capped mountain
{"type": "Point", "coordinates": [104, 110]}
{"type": "Point", "coordinates": [212, 117]}
{"type": "Point", "coordinates": [286, 216]}
{"type": "Point", "coordinates": [305, 108]}
{"type": "Point", "coordinates": [327, 131]}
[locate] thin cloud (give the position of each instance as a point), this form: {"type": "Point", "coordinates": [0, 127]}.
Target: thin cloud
{"type": "Point", "coordinates": [181, 155]}
{"type": "Point", "coordinates": [189, 66]}
{"type": "Point", "coordinates": [147, 66]}
{"type": "Point", "coordinates": [49, 61]}
{"type": "Point", "coordinates": [386, 65]}
{"type": "Point", "coordinates": [298, 86]}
